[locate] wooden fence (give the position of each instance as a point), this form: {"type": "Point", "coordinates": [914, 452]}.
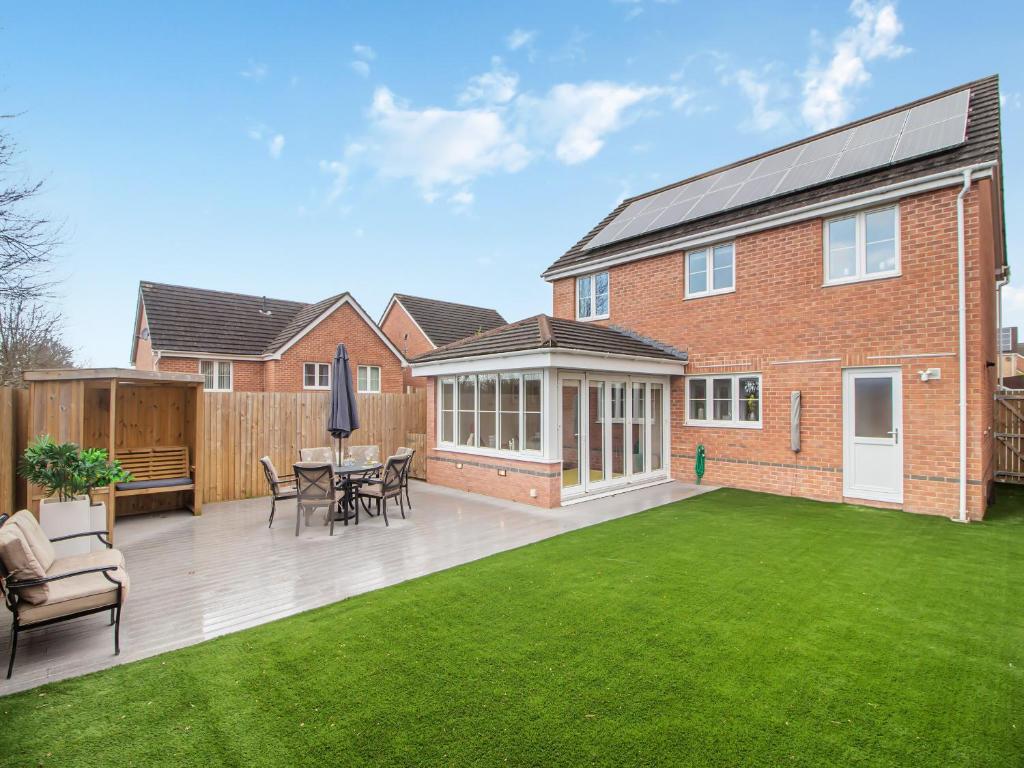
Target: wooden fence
{"type": "Point", "coordinates": [240, 427]}
{"type": "Point", "coordinates": [1009, 436]}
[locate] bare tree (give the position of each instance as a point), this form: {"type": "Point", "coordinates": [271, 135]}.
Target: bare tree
{"type": "Point", "coordinates": [30, 332]}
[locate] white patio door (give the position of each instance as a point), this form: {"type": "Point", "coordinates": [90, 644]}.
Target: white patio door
{"type": "Point", "coordinates": [872, 439]}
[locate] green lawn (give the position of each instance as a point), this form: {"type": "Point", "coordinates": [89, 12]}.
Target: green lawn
{"type": "Point", "coordinates": [735, 628]}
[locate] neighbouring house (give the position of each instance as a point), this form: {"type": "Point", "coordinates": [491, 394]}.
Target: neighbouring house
{"type": "Point", "coordinates": [1011, 354]}
{"type": "Point", "coordinates": [417, 325]}
{"type": "Point", "coordinates": [820, 319]}
{"type": "Point", "coordinates": [255, 344]}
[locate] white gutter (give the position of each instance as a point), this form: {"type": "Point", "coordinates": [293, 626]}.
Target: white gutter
{"type": "Point", "coordinates": [877, 195]}
{"type": "Point", "coordinates": [961, 289]}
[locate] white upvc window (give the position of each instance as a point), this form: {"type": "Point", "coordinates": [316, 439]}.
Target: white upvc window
{"type": "Point", "coordinates": [491, 412]}
{"type": "Point", "coordinates": [724, 400]}
{"type": "Point", "coordinates": [592, 297]}
{"type": "Point", "coordinates": [862, 246]}
{"type": "Point", "coordinates": [316, 376]}
{"type": "Point", "coordinates": [711, 270]}
{"type": "Point", "coordinates": [368, 379]}
{"type": "Point", "coordinates": [216, 375]}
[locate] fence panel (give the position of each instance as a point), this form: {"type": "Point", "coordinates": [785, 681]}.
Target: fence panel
{"type": "Point", "coordinates": [1009, 437]}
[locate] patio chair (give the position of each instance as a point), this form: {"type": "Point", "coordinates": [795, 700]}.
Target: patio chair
{"type": "Point", "coordinates": [403, 451]}
{"type": "Point", "coordinates": [315, 489]}
{"type": "Point", "coordinates": [41, 589]}
{"type": "Point", "coordinates": [387, 486]}
{"type": "Point", "coordinates": [320, 455]}
{"type": "Point", "coordinates": [282, 487]}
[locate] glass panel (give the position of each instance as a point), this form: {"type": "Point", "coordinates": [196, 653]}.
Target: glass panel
{"type": "Point", "coordinates": [361, 378]}
{"type": "Point", "coordinates": [467, 410]}
{"type": "Point", "coordinates": [447, 424]}
{"type": "Point", "coordinates": [448, 395]}
{"type": "Point", "coordinates": [224, 375]}
{"type": "Point", "coordinates": [448, 411]}
{"type": "Point", "coordinates": [510, 431]}
{"type": "Point", "coordinates": [532, 405]}
{"type": "Point", "coordinates": [842, 248]}
{"type": "Point", "coordinates": [206, 368]}
{"type": "Point", "coordinates": [309, 375]}
{"type": "Point", "coordinates": [374, 379]}
{"type": "Point", "coordinates": [583, 289]}
{"type": "Point", "coordinates": [722, 393]}
{"type": "Point", "coordinates": [697, 264]}
{"type": "Point", "coordinates": [618, 428]}
{"type": "Point", "coordinates": [488, 396]}
{"type": "Point", "coordinates": [657, 427]}
{"type": "Point", "coordinates": [880, 257]}
{"type": "Point", "coordinates": [570, 434]}
{"type": "Point", "coordinates": [750, 398]}
{"type": "Point", "coordinates": [698, 399]}
{"type": "Point", "coordinates": [510, 391]}
{"type": "Point", "coordinates": [601, 294]}
{"type": "Point", "coordinates": [595, 440]}
{"type": "Point", "coordinates": [880, 225]}
{"type": "Point", "coordinates": [723, 262]}
{"type": "Point", "coordinates": [325, 375]}
{"type": "Point", "coordinates": [638, 428]}
{"type": "Point", "coordinates": [872, 407]}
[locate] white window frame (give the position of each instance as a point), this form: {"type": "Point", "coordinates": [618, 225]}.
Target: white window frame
{"type": "Point", "coordinates": [454, 444]}
{"type": "Point", "coordinates": [316, 375]}
{"type": "Point", "coordinates": [369, 380]}
{"type": "Point", "coordinates": [735, 422]}
{"type": "Point", "coordinates": [593, 296]}
{"type": "Point", "coordinates": [216, 375]}
{"type": "Point", "coordinates": [709, 252]}
{"type": "Point", "coordinates": [860, 247]}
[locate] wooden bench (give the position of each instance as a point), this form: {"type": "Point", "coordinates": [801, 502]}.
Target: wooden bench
{"type": "Point", "coordinates": [160, 469]}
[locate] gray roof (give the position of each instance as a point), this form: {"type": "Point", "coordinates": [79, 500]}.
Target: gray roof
{"type": "Point", "coordinates": [543, 332]}
{"type": "Point", "coordinates": [184, 319]}
{"type": "Point", "coordinates": [982, 144]}
{"type": "Point", "coordinates": [445, 321]}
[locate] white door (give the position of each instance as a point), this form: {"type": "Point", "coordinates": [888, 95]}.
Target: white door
{"type": "Point", "coordinates": [872, 439]}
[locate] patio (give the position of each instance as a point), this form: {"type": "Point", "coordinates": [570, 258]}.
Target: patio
{"type": "Point", "coordinates": [195, 578]}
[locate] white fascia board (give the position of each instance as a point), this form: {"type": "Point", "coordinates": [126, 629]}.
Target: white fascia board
{"type": "Point", "coordinates": [876, 196]}
{"type": "Point", "coordinates": [209, 355]}
{"type": "Point", "coordinates": [551, 358]}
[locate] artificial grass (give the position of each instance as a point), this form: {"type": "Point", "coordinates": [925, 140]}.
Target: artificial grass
{"type": "Point", "coordinates": [733, 628]}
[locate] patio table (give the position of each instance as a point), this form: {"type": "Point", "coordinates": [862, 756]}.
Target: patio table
{"type": "Point", "coordinates": [345, 472]}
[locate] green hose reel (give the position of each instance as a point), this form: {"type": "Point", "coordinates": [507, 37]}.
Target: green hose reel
{"type": "Point", "coordinates": [698, 465]}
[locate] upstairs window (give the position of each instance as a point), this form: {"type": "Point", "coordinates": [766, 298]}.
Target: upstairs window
{"type": "Point", "coordinates": [710, 271]}
{"type": "Point", "coordinates": [368, 379]}
{"type": "Point", "coordinates": [316, 376]}
{"type": "Point", "coordinates": [216, 375]}
{"type": "Point", "coordinates": [592, 297]}
{"type": "Point", "coordinates": [863, 246]}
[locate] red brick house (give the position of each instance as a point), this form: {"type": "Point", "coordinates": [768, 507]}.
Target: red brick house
{"type": "Point", "coordinates": [254, 344]}
{"type": "Point", "coordinates": [821, 318]}
{"type": "Point", "coordinates": [416, 325]}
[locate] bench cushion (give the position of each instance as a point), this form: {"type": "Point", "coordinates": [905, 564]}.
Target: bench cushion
{"type": "Point", "coordinates": [21, 563]}
{"type": "Point", "coordinates": [168, 482]}
{"type": "Point", "coordinates": [39, 541]}
{"type": "Point", "coordinates": [79, 593]}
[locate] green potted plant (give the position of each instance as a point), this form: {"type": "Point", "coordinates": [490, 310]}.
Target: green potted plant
{"type": "Point", "coordinates": [67, 475]}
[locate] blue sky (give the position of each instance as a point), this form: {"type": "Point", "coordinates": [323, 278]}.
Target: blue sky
{"type": "Point", "coordinates": [447, 150]}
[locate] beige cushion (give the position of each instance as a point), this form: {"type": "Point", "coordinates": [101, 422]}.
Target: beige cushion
{"type": "Point", "coordinates": [35, 537]}
{"type": "Point", "coordinates": [21, 563]}
{"type": "Point", "coordinates": [79, 593]}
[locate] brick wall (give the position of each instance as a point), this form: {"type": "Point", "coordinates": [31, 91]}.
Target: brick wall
{"type": "Point", "coordinates": [408, 338]}
{"type": "Point", "coordinates": [781, 312]}
{"type": "Point", "coordinates": [479, 474]}
{"type": "Point", "coordinates": [246, 375]}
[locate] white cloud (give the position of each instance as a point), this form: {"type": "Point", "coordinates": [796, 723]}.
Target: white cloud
{"type": "Point", "coordinates": [579, 117]}
{"type": "Point", "coordinates": [255, 71]}
{"type": "Point", "coordinates": [764, 94]}
{"type": "Point", "coordinates": [437, 147]}
{"type": "Point", "coordinates": [360, 67]}
{"type": "Point", "coordinates": [463, 198]}
{"type": "Point", "coordinates": [497, 86]}
{"type": "Point", "coordinates": [339, 171]}
{"type": "Point", "coordinates": [1010, 99]}
{"type": "Point", "coordinates": [827, 97]}
{"type": "Point", "coordinates": [517, 38]}
{"type": "Point", "coordinates": [276, 145]}
{"type": "Point", "coordinates": [364, 54]}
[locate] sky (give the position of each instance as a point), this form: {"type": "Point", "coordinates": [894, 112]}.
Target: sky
{"type": "Point", "coordinates": [450, 150]}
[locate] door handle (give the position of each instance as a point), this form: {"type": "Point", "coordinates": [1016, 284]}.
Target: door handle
{"type": "Point", "coordinates": [896, 435]}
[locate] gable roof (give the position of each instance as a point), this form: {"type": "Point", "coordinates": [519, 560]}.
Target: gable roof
{"type": "Point", "coordinates": [443, 322]}
{"type": "Point", "coordinates": [542, 332]}
{"type": "Point", "coordinates": [201, 321]}
{"type": "Point", "coordinates": [982, 143]}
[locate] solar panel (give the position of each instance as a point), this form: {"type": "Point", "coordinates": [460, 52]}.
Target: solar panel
{"type": "Point", "coordinates": [929, 127]}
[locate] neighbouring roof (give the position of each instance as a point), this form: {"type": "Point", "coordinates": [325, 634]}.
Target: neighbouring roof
{"type": "Point", "coordinates": [982, 143]}
{"type": "Point", "coordinates": [445, 321]}
{"type": "Point", "coordinates": [543, 332]}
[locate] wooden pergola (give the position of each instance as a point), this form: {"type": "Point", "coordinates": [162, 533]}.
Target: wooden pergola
{"type": "Point", "coordinates": [151, 421]}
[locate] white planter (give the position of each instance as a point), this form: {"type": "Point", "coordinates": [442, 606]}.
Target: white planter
{"type": "Point", "coordinates": [60, 518]}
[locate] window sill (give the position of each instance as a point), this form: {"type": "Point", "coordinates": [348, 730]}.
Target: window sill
{"type": "Point", "coordinates": [855, 280]}
{"type": "Point", "coordinates": [533, 456]}
{"type": "Point", "coordinates": [316, 389]}
{"type": "Point", "coordinates": [366, 391]}
{"type": "Point", "coordinates": [207, 389]}
{"type": "Point", "coordinates": [708, 294]}
{"type": "Point", "coordinates": [592, 318]}
{"type": "Point", "coordinates": [724, 424]}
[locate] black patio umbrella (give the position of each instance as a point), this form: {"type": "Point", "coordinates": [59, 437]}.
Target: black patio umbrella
{"type": "Point", "coordinates": [344, 418]}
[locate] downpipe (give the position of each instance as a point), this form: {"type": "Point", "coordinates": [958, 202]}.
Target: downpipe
{"type": "Point", "coordinates": [962, 345]}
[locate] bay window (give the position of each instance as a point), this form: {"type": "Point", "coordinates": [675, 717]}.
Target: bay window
{"type": "Point", "coordinates": [491, 411]}
{"type": "Point", "coordinates": [727, 400]}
